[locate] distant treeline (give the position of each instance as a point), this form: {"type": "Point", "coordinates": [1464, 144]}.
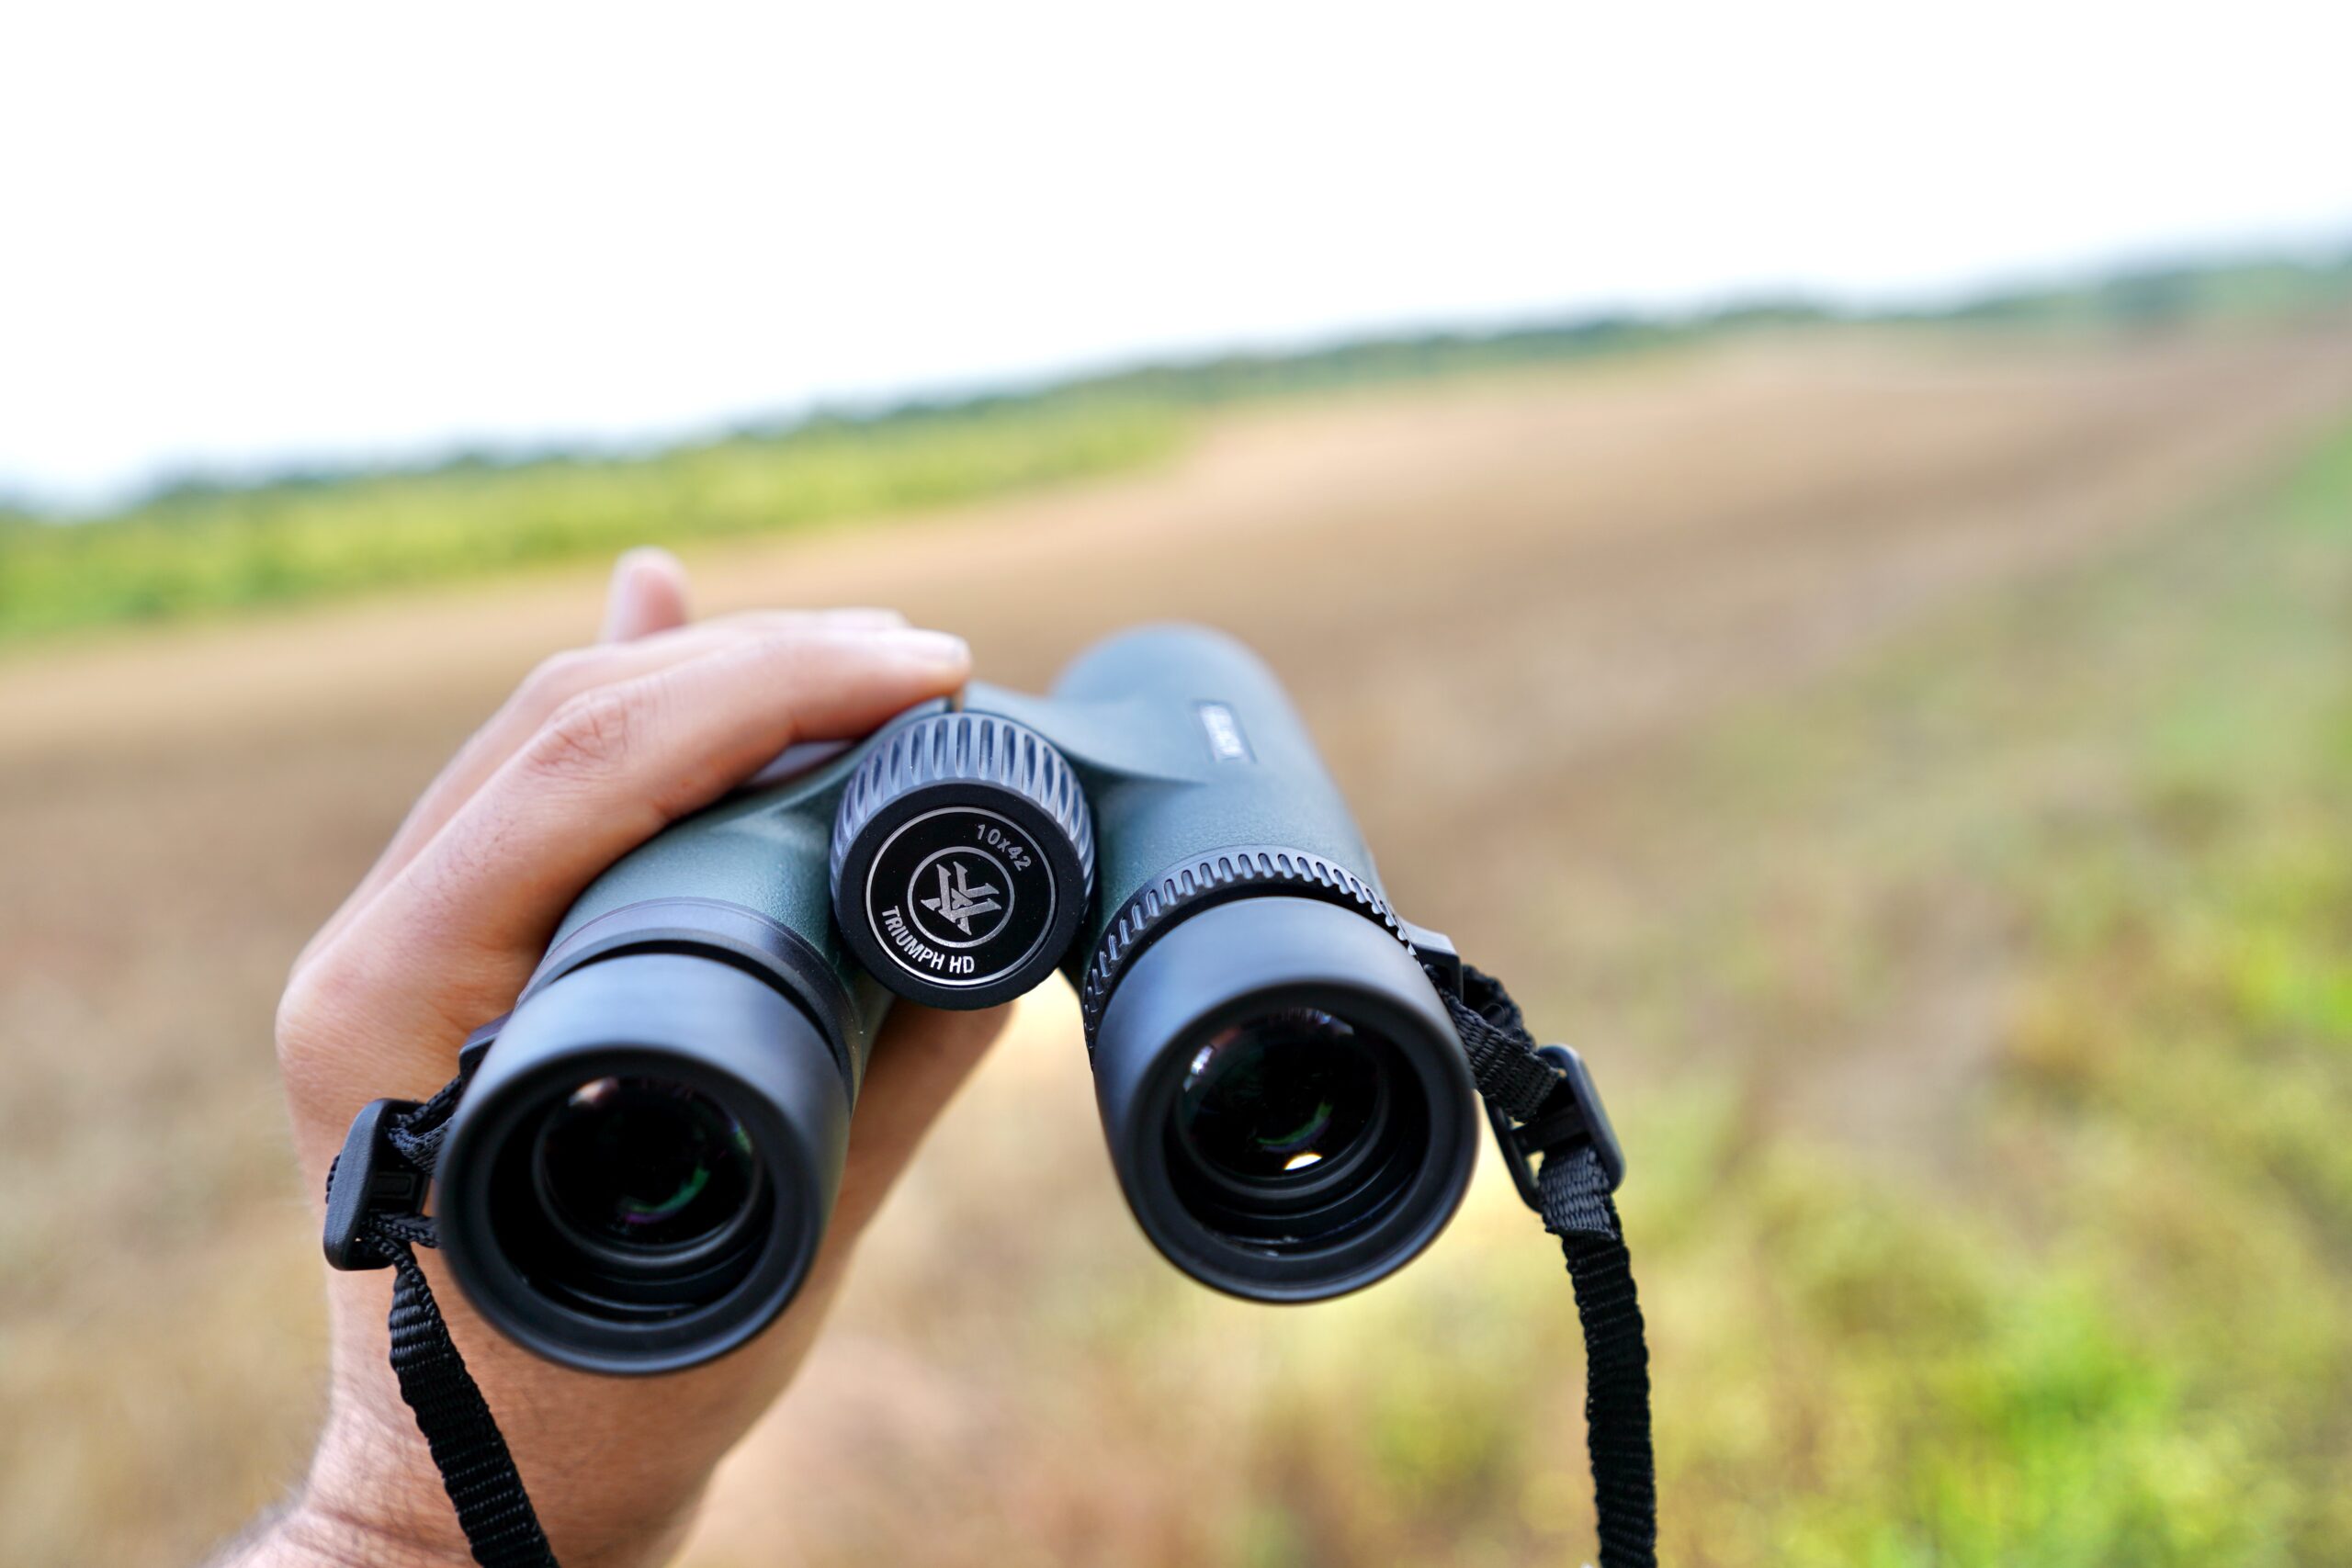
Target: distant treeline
{"type": "Point", "coordinates": [205, 544]}
{"type": "Point", "coordinates": [2140, 297]}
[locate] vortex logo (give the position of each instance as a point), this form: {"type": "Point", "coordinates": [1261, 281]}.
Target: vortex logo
{"type": "Point", "coordinates": [959, 901]}
{"type": "Point", "coordinates": [963, 896]}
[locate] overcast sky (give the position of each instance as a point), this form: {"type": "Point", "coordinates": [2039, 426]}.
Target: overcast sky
{"type": "Point", "coordinates": [252, 234]}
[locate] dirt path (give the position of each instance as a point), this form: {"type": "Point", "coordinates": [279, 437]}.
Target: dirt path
{"type": "Point", "coordinates": [1491, 599]}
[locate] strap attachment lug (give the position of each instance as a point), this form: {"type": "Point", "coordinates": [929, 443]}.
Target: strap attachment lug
{"type": "Point", "coordinates": [1570, 1116]}
{"type": "Point", "coordinates": [1441, 961]}
{"type": "Point", "coordinates": [370, 1179]}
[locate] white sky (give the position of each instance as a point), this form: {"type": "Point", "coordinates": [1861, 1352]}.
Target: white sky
{"type": "Point", "coordinates": [244, 233]}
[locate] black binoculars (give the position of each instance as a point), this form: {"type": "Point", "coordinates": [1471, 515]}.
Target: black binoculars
{"type": "Point", "coordinates": [642, 1167]}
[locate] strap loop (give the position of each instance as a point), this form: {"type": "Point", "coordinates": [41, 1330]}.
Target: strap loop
{"type": "Point", "coordinates": [1542, 1104]}
{"type": "Point", "coordinates": [1570, 1117]}
{"type": "Point", "coordinates": [376, 1191]}
{"type": "Point", "coordinates": [369, 1182]}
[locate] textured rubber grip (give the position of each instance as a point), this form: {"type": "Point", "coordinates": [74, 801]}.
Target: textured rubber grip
{"type": "Point", "coordinates": [1211, 878]}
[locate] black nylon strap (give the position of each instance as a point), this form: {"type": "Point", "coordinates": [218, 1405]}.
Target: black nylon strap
{"type": "Point", "coordinates": [1494, 1034]}
{"type": "Point", "coordinates": [1578, 1208]}
{"type": "Point", "coordinates": [475, 1468]}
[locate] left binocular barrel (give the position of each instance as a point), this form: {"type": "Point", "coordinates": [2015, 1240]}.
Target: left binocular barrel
{"type": "Point", "coordinates": [640, 1175]}
{"type": "Point", "coordinates": [641, 1172]}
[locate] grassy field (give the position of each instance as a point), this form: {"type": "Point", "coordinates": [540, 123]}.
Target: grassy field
{"type": "Point", "coordinates": [2099, 1309]}
{"type": "Point", "coordinates": [1927, 812]}
{"type": "Point", "coordinates": [1991, 1201]}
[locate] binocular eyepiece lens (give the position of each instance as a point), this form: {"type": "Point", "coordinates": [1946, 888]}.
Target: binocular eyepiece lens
{"type": "Point", "coordinates": [629, 1197]}
{"type": "Point", "coordinates": [643, 1165]}
{"type": "Point", "coordinates": [1294, 1129]}
{"type": "Point", "coordinates": [1275, 1096]}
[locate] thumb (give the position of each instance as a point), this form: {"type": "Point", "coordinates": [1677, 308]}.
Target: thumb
{"type": "Point", "coordinates": [648, 594]}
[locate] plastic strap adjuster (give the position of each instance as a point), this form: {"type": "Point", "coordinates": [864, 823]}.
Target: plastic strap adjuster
{"type": "Point", "coordinates": [1570, 1115]}
{"type": "Point", "coordinates": [369, 1178]}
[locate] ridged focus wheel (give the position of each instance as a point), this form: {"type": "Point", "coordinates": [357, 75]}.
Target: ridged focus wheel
{"type": "Point", "coordinates": [963, 860]}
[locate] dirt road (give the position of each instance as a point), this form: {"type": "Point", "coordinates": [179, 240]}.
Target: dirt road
{"type": "Point", "coordinates": [1491, 598]}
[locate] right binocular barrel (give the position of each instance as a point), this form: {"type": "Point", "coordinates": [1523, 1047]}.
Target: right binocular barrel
{"type": "Point", "coordinates": [1286, 1102]}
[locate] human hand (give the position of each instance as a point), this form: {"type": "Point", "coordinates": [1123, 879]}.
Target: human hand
{"type": "Point", "coordinates": [595, 752]}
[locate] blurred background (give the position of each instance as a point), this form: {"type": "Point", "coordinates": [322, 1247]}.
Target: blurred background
{"type": "Point", "coordinates": [1820, 546]}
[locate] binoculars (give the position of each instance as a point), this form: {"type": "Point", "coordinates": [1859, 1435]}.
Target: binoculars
{"type": "Point", "coordinates": [641, 1168]}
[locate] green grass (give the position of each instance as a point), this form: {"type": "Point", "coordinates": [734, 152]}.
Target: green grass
{"type": "Point", "coordinates": [205, 550]}
{"type": "Point", "coordinates": [2124, 1332]}
{"type": "Point", "coordinates": [2102, 1313]}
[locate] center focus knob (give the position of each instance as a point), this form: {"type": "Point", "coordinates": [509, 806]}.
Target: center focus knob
{"type": "Point", "coordinates": [963, 859]}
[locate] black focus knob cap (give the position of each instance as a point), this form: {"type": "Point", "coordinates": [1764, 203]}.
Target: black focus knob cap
{"type": "Point", "coordinates": [963, 859]}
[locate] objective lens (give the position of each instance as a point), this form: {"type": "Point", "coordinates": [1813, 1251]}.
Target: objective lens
{"type": "Point", "coordinates": [643, 1163]}
{"type": "Point", "coordinates": [1278, 1094]}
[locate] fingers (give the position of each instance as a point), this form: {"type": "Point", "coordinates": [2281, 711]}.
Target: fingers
{"type": "Point", "coordinates": [557, 681]}
{"type": "Point", "coordinates": [613, 766]}
{"type": "Point", "coordinates": [572, 674]}
{"type": "Point", "coordinates": [648, 594]}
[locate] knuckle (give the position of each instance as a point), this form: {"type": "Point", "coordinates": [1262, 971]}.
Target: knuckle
{"type": "Point", "coordinates": [555, 678]}
{"type": "Point", "coordinates": [591, 731]}
{"type": "Point", "coordinates": [321, 997]}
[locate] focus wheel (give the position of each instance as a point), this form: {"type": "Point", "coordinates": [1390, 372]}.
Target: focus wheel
{"type": "Point", "coordinates": [963, 859]}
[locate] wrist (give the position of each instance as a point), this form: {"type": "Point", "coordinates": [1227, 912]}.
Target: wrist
{"type": "Point", "coordinates": [308, 1533]}
{"type": "Point", "coordinates": [315, 1536]}
{"type": "Point", "coordinates": [372, 1497]}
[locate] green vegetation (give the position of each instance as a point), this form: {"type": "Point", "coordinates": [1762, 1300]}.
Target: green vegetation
{"type": "Point", "coordinates": [201, 547]}
{"type": "Point", "coordinates": [2093, 1303]}
{"type": "Point", "coordinates": [2124, 1332]}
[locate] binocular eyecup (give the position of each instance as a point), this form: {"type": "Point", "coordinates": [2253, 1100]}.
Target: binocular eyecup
{"type": "Point", "coordinates": [1286, 1102]}
{"type": "Point", "coordinates": [640, 1174]}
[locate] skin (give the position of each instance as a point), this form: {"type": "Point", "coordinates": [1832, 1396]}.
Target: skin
{"type": "Point", "coordinates": [597, 751]}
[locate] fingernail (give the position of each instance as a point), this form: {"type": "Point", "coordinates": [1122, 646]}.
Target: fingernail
{"type": "Point", "coordinates": [932, 648]}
